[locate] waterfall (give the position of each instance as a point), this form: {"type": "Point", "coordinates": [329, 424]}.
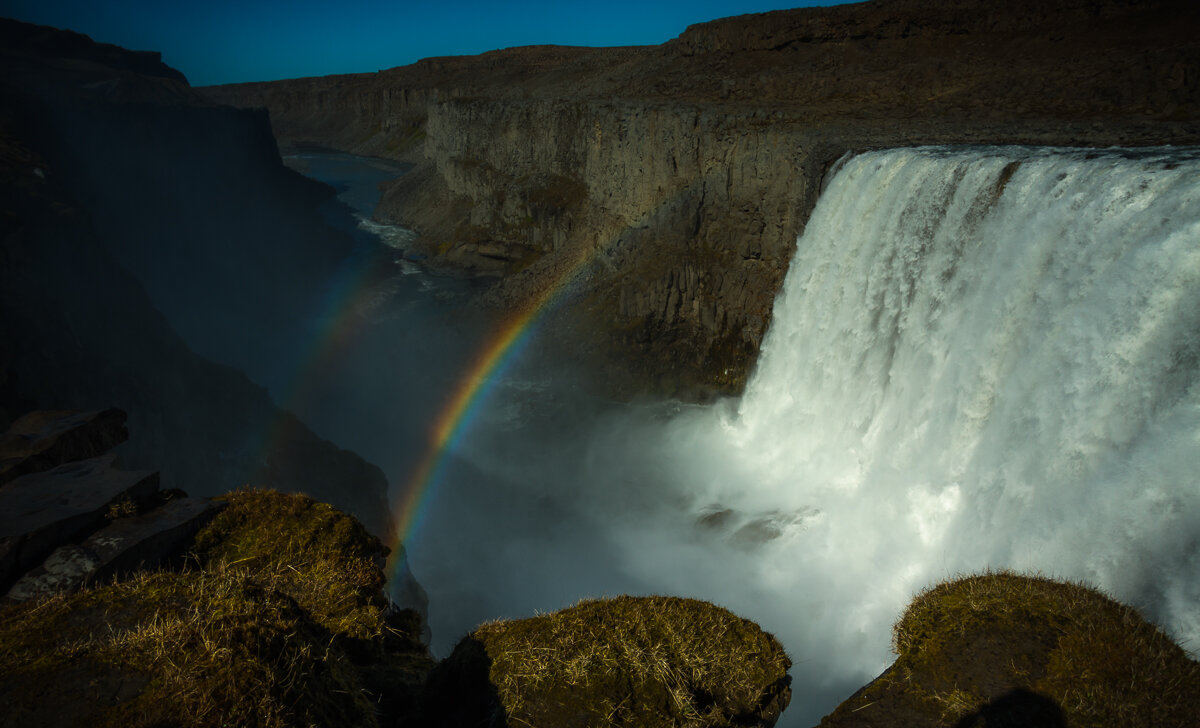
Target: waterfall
{"type": "Point", "coordinates": [991, 357]}
{"type": "Point", "coordinates": [981, 358]}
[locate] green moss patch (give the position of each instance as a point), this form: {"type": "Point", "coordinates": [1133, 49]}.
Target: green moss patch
{"type": "Point", "coordinates": [974, 650]}
{"type": "Point", "coordinates": [646, 662]}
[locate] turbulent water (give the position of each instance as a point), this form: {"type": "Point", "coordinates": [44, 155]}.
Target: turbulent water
{"type": "Point", "coordinates": [981, 358]}
{"type": "Point", "coordinates": [991, 359]}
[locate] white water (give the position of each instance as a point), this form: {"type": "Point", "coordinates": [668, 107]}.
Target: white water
{"type": "Point", "coordinates": [981, 358]}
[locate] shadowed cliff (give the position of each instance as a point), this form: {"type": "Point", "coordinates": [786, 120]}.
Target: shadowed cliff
{"type": "Point", "coordinates": [112, 170]}
{"type": "Point", "coordinates": [683, 173]}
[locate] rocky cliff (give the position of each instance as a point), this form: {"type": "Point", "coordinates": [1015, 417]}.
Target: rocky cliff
{"type": "Point", "coordinates": [668, 184]}
{"type": "Point", "coordinates": [90, 137]}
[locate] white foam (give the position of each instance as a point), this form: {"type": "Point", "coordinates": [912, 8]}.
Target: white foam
{"type": "Point", "coordinates": [980, 359]}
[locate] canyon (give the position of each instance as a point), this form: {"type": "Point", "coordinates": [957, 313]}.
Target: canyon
{"type": "Point", "coordinates": [662, 189]}
{"type": "Point", "coordinates": [651, 201]}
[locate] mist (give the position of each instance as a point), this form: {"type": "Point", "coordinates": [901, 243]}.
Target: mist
{"type": "Point", "coordinates": [981, 359]}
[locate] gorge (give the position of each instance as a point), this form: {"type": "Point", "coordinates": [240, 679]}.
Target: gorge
{"type": "Point", "coordinates": [798, 313]}
{"type": "Point", "coordinates": [1008, 337]}
{"type": "Point", "coordinates": [687, 170]}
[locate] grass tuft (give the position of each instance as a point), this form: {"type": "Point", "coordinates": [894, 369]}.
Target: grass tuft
{"type": "Point", "coordinates": [652, 661]}
{"type": "Point", "coordinates": [963, 643]}
{"type": "Point", "coordinates": [280, 621]}
{"type": "Point", "coordinates": [309, 550]}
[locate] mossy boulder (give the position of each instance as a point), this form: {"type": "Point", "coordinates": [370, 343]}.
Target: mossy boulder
{"type": "Point", "coordinates": [628, 661]}
{"type": "Point", "coordinates": [279, 621]}
{"type": "Point", "coordinates": [324, 559]}
{"type": "Point", "coordinates": [1002, 649]}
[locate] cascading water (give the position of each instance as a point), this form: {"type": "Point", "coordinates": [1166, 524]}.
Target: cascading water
{"type": "Point", "coordinates": [981, 358]}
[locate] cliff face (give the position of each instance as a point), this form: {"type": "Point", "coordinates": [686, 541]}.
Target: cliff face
{"type": "Point", "coordinates": [683, 173]}
{"type": "Point", "coordinates": [88, 141]}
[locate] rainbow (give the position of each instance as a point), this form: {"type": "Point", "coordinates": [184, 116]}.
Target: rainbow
{"type": "Point", "coordinates": [494, 358]}
{"type": "Point", "coordinates": [344, 306]}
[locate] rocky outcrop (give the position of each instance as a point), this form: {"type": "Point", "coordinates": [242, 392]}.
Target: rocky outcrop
{"type": "Point", "coordinates": [628, 661]}
{"type": "Point", "coordinates": [129, 543]}
{"type": "Point", "coordinates": [280, 619]}
{"type": "Point", "coordinates": [1004, 649]}
{"type": "Point", "coordinates": [42, 510]}
{"type": "Point", "coordinates": [68, 521]}
{"type": "Point", "coordinates": [43, 440]}
{"type": "Point", "coordinates": [668, 185]}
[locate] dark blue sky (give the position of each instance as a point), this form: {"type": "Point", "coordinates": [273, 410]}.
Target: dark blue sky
{"type": "Point", "coordinates": [224, 41]}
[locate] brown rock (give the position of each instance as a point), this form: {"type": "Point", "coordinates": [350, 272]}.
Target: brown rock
{"type": "Point", "coordinates": [1003, 649]}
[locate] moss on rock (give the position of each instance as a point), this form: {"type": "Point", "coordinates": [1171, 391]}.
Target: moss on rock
{"type": "Point", "coordinates": [204, 649]}
{"type": "Point", "coordinates": [319, 556]}
{"type": "Point", "coordinates": [646, 662]}
{"type": "Point", "coordinates": [281, 622]}
{"type": "Point", "coordinates": [1008, 649]}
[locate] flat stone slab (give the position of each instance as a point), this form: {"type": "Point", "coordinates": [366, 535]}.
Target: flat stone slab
{"type": "Point", "coordinates": [41, 511]}
{"type": "Point", "coordinates": [43, 440]}
{"type": "Point", "coordinates": [123, 546]}
{"type": "Point", "coordinates": [65, 569]}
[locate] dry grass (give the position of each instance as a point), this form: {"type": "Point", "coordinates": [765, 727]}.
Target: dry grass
{"type": "Point", "coordinates": [212, 649]}
{"type": "Point", "coordinates": [962, 643]}
{"type": "Point", "coordinates": [309, 550]}
{"type": "Point", "coordinates": [280, 622]}
{"type": "Point", "coordinates": [653, 661]}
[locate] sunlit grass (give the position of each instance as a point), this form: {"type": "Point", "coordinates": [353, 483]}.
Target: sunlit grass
{"type": "Point", "coordinates": [651, 661]}
{"type": "Point", "coordinates": [280, 621]}
{"type": "Point", "coordinates": [961, 643]}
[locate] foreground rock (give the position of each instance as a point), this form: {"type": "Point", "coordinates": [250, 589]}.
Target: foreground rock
{"type": "Point", "coordinates": [281, 621]}
{"type": "Point", "coordinates": [1008, 650]}
{"type": "Point", "coordinates": [40, 511]}
{"type": "Point", "coordinates": [668, 184]}
{"type": "Point", "coordinates": [645, 662]}
{"type": "Point", "coordinates": [66, 525]}
{"type": "Point", "coordinates": [124, 546]}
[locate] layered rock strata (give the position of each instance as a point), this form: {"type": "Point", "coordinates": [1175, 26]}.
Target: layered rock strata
{"type": "Point", "coordinates": [668, 184]}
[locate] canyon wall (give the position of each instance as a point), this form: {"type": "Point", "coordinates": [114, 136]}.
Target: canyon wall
{"type": "Point", "coordinates": [145, 232]}
{"type": "Point", "coordinates": [666, 186]}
